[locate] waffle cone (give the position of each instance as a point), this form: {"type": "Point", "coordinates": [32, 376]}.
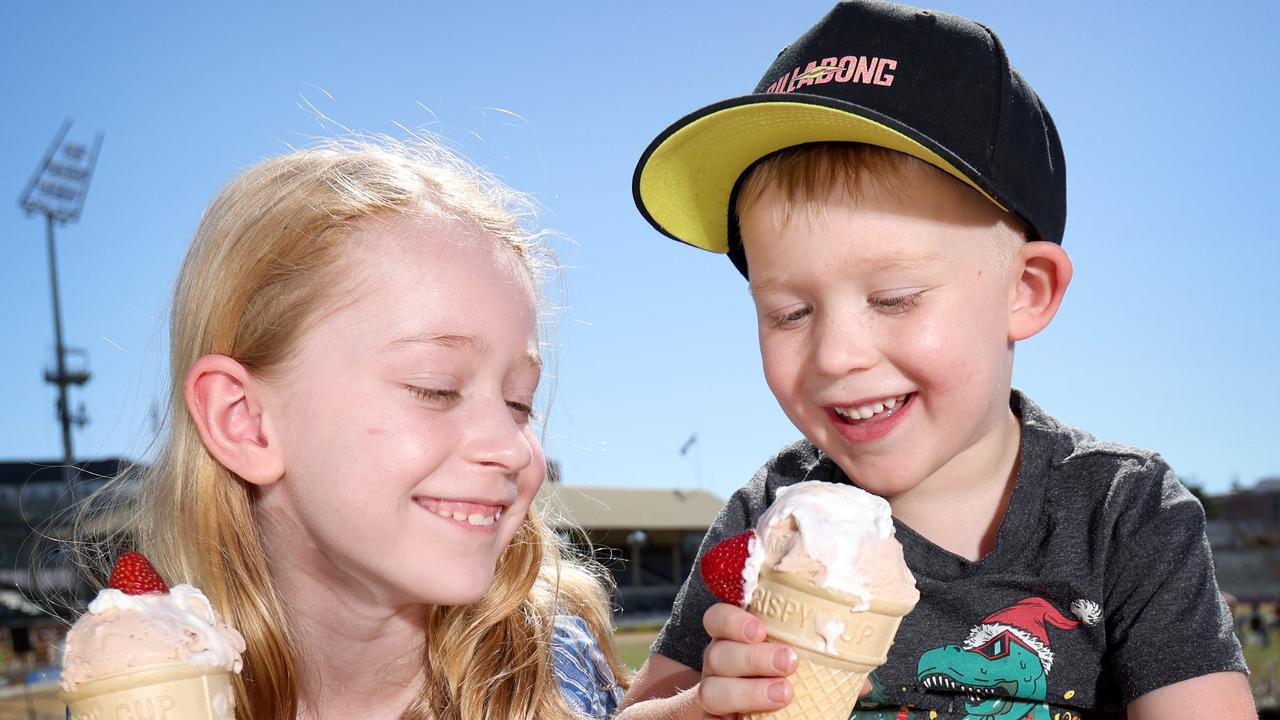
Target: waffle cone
{"type": "Point", "coordinates": [837, 647]}
{"type": "Point", "coordinates": [166, 692]}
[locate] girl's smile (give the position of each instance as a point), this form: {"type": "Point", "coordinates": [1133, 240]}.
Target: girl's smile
{"type": "Point", "coordinates": [478, 516]}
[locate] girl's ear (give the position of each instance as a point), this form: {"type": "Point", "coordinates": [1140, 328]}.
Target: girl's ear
{"type": "Point", "coordinates": [227, 405]}
{"type": "Point", "coordinates": [1042, 271]}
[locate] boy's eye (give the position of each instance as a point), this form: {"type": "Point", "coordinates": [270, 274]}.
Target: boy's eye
{"type": "Point", "coordinates": [897, 303]}
{"type": "Point", "coordinates": [434, 395]}
{"type": "Point", "coordinates": [790, 317]}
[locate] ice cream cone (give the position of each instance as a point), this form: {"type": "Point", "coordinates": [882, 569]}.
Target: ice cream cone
{"type": "Point", "coordinates": [166, 692]}
{"type": "Point", "coordinates": [837, 646]}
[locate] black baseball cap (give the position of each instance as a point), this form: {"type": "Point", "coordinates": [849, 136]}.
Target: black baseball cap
{"type": "Point", "coordinates": [930, 84]}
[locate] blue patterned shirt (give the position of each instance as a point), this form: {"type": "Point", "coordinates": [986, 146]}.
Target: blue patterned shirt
{"type": "Point", "coordinates": [588, 684]}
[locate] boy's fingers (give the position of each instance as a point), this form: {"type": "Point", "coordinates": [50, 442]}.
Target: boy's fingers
{"type": "Point", "coordinates": [725, 658]}
{"type": "Point", "coordinates": [730, 622]}
{"type": "Point", "coordinates": [720, 696]}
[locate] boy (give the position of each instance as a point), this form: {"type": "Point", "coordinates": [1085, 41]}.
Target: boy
{"type": "Point", "coordinates": [894, 193]}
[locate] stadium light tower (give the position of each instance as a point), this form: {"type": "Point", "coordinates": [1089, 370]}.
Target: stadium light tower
{"type": "Point", "coordinates": [57, 190]}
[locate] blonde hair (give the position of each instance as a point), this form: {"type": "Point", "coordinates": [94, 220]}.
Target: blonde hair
{"type": "Point", "coordinates": [261, 265]}
{"type": "Point", "coordinates": [804, 175]}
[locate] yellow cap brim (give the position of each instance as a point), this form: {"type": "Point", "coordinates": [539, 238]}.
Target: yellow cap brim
{"type": "Point", "coordinates": [684, 182]}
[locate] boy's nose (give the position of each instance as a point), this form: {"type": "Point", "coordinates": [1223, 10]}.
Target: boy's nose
{"type": "Point", "coordinates": [841, 345]}
{"type": "Point", "coordinates": [494, 438]}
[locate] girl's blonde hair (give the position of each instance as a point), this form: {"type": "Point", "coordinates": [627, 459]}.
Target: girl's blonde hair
{"type": "Point", "coordinates": [264, 259]}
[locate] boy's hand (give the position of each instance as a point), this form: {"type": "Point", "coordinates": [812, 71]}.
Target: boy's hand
{"type": "Point", "coordinates": [742, 673]}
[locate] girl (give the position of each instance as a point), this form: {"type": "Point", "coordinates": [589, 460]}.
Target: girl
{"type": "Point", "coordinates": [352, 461]}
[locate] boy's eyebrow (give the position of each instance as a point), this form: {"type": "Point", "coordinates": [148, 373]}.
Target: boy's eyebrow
{"type": "Point", "coordinates": [456, 342]}
{"type": "Point", "coordinates": [904, 262]}
{"type": "Point", "coordinates": [757, 287]}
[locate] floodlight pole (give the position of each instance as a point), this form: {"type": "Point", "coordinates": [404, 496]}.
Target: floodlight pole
{"type": "Point", "coordinates": [57, 190]}
{"type": "Point", "coordinates": [64, 405]}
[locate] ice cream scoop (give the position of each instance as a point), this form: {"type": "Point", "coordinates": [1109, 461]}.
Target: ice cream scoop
{"type": "Point", "coordinates": [142, 645]}
{"type": "Point", "coordinates": [839, 536]}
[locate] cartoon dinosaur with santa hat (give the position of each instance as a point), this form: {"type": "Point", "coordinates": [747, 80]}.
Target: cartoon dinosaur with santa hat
{"type": "Point", "coordinates": [1004, 664]}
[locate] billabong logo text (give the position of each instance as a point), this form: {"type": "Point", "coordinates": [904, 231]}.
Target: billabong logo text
{"type": "Point", "coordinates": [847, 69]}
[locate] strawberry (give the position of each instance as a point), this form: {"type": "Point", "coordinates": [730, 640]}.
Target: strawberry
{"type": "Point", "coordinates": [134, 575]}
{"type": "Point", "coordinates": [722, 567]}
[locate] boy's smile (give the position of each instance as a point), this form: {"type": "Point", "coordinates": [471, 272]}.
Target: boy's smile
{"type": "Point", "coordinates": [864, 421]}
{"type": "Point", "coordinates": [884, 328]}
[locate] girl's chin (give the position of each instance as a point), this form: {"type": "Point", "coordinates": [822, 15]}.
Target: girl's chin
{"type": "Point", "coordinates": [458, 593]}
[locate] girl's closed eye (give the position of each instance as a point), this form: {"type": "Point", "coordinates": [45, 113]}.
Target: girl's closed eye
{"type": "Point", "coordinates": [897, 303]}
{"type": "Point", "coordinates": [434, 395]}
{"type": "Point", "coordinates": [522, 412]}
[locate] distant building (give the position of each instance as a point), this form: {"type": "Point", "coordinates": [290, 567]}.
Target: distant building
{"type": "Point", "coordinates": [1246, 559]}
{"type": "Point", "coordinates": [1244, 531]}
{"type": "Point", "coordinates": [39, 586]}
{"type": "Point", "coordinates": [1260, 504]}
{"type": "Point", "coordinates": [647, 537]}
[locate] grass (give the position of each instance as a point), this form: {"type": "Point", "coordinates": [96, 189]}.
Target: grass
{"type": "Point", "coordinates": [633, 646]}
{"type": "Point", "coordinates": [1264, 671]}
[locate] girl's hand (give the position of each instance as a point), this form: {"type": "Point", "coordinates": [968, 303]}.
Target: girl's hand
{"type": "Point", "coordinates": [742, 673]}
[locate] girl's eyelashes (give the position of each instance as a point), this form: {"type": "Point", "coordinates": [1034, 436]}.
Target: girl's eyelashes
{"type": "Point", "coordinates": [522, 412]}
{"type": "Point", "coordinates": [434, 394]}
{"type": "Point", "coordinates": [897, 303]}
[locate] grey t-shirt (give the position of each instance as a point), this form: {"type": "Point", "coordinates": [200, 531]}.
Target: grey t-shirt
{"type": "Point", "coordinates": [1100, 588]}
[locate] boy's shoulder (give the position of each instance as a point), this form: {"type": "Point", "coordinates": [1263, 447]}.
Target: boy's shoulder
{"type": "Point", "coordinates": [1077, 463]}
{"type": "Point", "coordinates": [1042, 432]}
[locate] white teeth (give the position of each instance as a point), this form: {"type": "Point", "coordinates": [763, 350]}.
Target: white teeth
{"type": "Point", "coordinates": [479, 519]}
{"type": "Point", "coordinates": [865, 412]}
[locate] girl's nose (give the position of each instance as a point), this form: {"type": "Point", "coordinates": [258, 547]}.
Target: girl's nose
{"type": "Point", "coordinates": [495, 438]}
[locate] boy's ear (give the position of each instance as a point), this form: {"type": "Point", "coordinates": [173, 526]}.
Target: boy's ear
{"type": "Point", "coordinates": [1042, 271]}
{"type": "Point", "coordinates": [226, 403]}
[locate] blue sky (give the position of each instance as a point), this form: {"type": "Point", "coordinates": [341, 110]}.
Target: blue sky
{"type": "Point", "coordinates": [1168, 338]}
